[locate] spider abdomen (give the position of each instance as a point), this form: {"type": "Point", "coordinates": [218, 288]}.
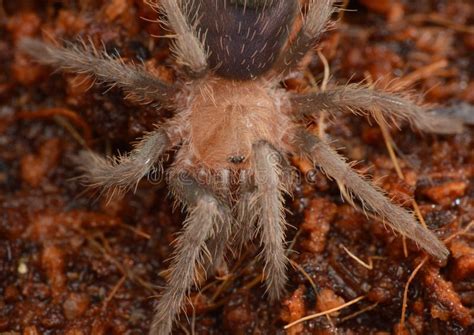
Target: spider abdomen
{"type": "Point", "coordinates": [244, 40]}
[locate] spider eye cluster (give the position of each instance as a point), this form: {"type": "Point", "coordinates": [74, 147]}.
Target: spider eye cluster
{"type": "Point", "coordinates": [236, 159]}
{"type": "Point", "coordinates": [244, 37]}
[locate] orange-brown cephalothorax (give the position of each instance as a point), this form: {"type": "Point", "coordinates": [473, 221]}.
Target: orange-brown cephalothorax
{"type": "Point", "coordinates": [228, 117]}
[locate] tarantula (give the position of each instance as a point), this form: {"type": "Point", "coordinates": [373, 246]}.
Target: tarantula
{"type": "Point", "coordinates": [235, 129]}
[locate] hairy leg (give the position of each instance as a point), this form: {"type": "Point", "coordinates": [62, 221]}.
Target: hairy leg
{"type": "Point", "coordinates": [84, 58]}
{"type": "Point", "coordinates": [188, 46]}
{"type": "Point", "coordinates": [207, 217]}
{"type": "Point", "coordinates": [121, 173]}
{"type": "Point", "coordinates": [314, 24]}
{"type": "Point", "coordinates": [268, 203]}
{"type": "Point", "coordinates": [461, 111]}
{"type": "Point", "coordinates": [371, 197]}
{"type": "Point", "coordinates": [217, 247]}
{"type": "Point", "coordinates": [362, 100]}
{"type": "Point", "coordinates": [246, 220]}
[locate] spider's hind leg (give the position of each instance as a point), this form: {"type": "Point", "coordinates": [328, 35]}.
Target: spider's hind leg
{"type": "Point", "coordinates": [398, 218]}
{"type": "Point", "coordinates": [207, 219]}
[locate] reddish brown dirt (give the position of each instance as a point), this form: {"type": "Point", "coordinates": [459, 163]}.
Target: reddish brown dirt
{"type": "Point", "coordinates": [73, 264]}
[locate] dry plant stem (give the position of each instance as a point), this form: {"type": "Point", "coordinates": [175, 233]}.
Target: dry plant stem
{"type": "Point", "coordinates": [442, 21]}
{"type": "Point", "coordinates": [311, 282]}
{"type": "Point", "coordinates": [329, 311]}
{"type": "Point", "coordinates": [362, 311]}
{"type": "Point", "coordinates": [405, 291]}
{"type": "Point", "coordinates": [419, 74]}
{"type": "Point", "coordinates": [84, 58]}
{"type": "Point", "coordinates": [305, 274]}
{"type": "Point", "coordinates": [63, 122]}
{"type": "Point", "coordinates": [399, 219]}
{"type": "Point", "coordinates": [136, 231]}
{"type": "Point", "coordinates": [324, 86]}
{"type": "Point", "coordinates": [368, 266]}
{"type": "Point", "coordinates": [113, 292]}
{"type": "Point", "coordinates": [127, 272]}
{"type": "Point", "coordinates": [64, 112]}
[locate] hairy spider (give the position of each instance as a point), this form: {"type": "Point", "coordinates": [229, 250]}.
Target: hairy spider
{"type": "Point", "coordinates": [235, 129]}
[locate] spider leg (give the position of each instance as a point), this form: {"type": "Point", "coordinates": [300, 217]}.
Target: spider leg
{"type": "Point", "coordinates": [122, 173]}
{"type": "Point", "coordinates": [361, 100]}
{"type": "Point", "coordinates": [188, 46]}
{"type": "Point", "coordinates": [246, 219]}
{"type": "Point", "coordinates": [314, 24]}
{"type": "Point", "coordinates": [246, 216]}
{"type": "Point", "coordinates": [207, 217]}
{"type": "Point", "coordinates": [217, 247]}
{"type": "Point", "coordinates": [398, 218]}
{"type": "Point", "coordinates": [268, 203]}
{"type": "Point", "coordinates": [86, 59]}
{"type": "Point", "coordinates": [462, 111]}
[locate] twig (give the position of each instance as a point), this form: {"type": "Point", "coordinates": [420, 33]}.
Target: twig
{"type": "Point", "coordinates": [311, 282]}
{"type": "Point", "coordinates": [442, 21]}
{"type": "Point", "coordinates": [369, 265]}
{"type": "Point", "coordinates": [63, 122]}
{"type": "Point", "coordinates": [363, 310]}
{"type": "Point", "coordinates": [324, 85]}
{"type": "Point", "coordinates": [327, 312]}
{"type": "Point", "coordinates": [407, 285]}
{"type": "Point", "coordinates": [419, 74]}
{"type": "Point", "coordinates": [305, 274]}
{"type": "Point", "coordinates": [54, 112]}
{"type": "Point", "coordinates": [136, 231]}
{"type": "Point", "coordinates": [113, 292]}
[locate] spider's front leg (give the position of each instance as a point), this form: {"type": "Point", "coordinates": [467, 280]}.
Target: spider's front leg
{"type": "Point", "coordinates": [335, 167]}
{"type": "Point", "coordinates": [359, 100]}
{"type": "Point", "coordinates": [268, 203]}
{"type": "Point", "coordinates": [207, 219]}
{"type": "Point", "coordinates": [119, 174]}
{"type": "Point", "coordinates": [84, 58]}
